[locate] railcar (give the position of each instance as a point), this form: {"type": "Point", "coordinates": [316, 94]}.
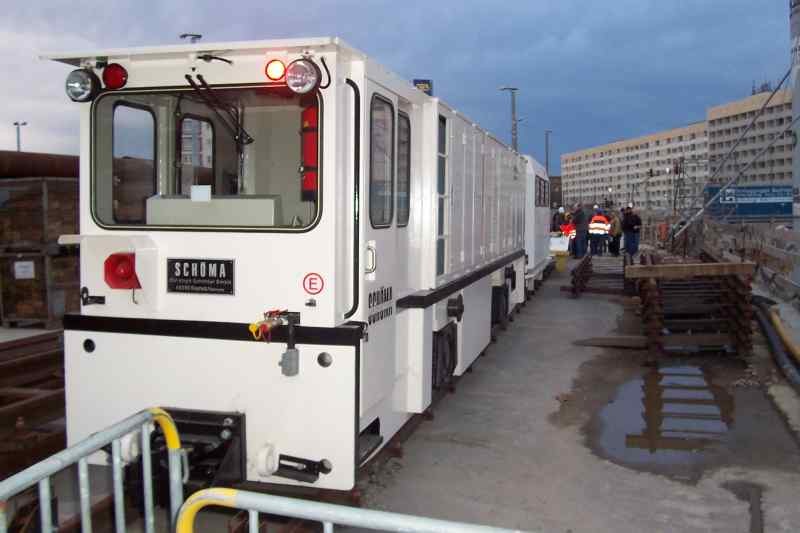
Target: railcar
{"type": "Point", "coordinates": [286, 244]}
{"type": "Point", "coordinates": [537, 222]}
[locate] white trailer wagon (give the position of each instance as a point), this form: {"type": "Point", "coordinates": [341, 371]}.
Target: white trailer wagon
{"type": "Point", "coordinates": [285, 243]}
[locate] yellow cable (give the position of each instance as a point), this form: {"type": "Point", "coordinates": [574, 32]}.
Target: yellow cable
{"type": "Point", "coordinates": [784, 335]}
{"type": "Point", "coordinates": [200, 499]}
{"type": "Point", "coordinates": [162, 418]}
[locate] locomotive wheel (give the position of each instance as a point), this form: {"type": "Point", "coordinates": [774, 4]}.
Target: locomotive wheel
{"type": "Point", "coordinates": [496, 305]}
{"type": "Point", "coordinates": [435, 363]}
{"type": "Point", "coordinates": [451, 358]}
{"type": "Point", "coordinates": [502, 303]}
{"type": "Point", "coordinates": [439, 370]}
{"type": "Point", "coordinates": [444, 362]}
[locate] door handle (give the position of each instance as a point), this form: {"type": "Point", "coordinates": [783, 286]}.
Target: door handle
{"type": "Point", "coordinates": [371, 262]}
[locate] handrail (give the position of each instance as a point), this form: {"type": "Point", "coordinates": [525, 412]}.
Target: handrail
{"type": "Point", "coordinates": [42, 471]}
{"type": "Point", "coordinates": [328, 514]}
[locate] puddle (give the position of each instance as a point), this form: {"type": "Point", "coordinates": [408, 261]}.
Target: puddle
{"type": "Point", "coordinates": [679, 420]}
{"type": "Point", "coordinates": [666, 417]}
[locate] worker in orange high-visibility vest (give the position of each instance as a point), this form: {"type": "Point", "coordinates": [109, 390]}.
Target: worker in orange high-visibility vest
{"type": "Point", "coordinates": [599, 226]}
{"type": "Point", "coordinates": [568, 230]}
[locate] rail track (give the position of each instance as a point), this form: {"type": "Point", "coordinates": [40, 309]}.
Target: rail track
{"type": "Point", "coordinates": [702, 306]}
{"type": "Point", "coordinates": [31, 400]}
{"type": "Point", "coordinates": [600, 275]}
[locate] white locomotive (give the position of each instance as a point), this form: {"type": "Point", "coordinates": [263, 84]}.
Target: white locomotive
{"type": "Point", "coordinates": [289, 247]}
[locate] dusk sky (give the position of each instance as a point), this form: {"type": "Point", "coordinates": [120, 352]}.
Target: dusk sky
{"type": "Point", "coordinates": [592, 72]}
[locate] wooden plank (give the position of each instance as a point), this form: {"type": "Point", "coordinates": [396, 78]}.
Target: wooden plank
{"type": "Point", "coordinates": [639, 342]}
{"type": "Point", "coordinates": [33, 339]}
{"type": "Point", "coordinates": [702, 339]}
{"type": "Point", "coordinates": [635, 342]}
{"type": "Point", "coordinates": [50, 404]}
{"type": "Point", "coordinates": [690, 270]}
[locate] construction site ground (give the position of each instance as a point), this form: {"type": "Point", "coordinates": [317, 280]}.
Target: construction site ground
{"type": "Point", "coordinates": [547, 436]}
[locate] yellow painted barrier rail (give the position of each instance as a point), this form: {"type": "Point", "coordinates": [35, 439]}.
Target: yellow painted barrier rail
{"type": "Point", "coordinates": [327, 514]}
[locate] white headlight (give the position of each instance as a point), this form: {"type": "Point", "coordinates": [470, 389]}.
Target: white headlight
{"type": "Point", "coordinates": [302, 76]}
{"type": "Point", "coordinates": [82, 85]}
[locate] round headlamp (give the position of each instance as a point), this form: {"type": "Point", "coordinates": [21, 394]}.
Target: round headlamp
{"type": "Point", "coordinates": [82, 85]}
{"type": "Point", "coordinates": [302, 76]}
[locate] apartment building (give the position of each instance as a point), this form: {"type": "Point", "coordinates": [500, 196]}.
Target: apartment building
{"type": "Point", "coordinates": [728, 122]}
{"type": "Point", "coordinates": [643, 170]}
{"type": "Point", "coordinates": [197, 142]}
{"type": "Point", "coordinates": [640, 170]}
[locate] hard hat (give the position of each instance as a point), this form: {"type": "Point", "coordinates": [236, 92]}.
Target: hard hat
{"type": "Point", "coordinates": [560, 209]}
{"type": "Point", "coordinates": [596, 206]}
{"type": "Point", "coordinates": [630, 205]}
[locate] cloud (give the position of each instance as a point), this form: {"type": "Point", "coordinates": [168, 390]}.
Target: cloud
{"type": "Point", "coordinates": [33, 91]}
{"type": "Point", "coordinates": [590, 71]}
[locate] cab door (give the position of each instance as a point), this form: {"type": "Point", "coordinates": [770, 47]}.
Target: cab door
{"type": "Point", "coordinates": [381, 262]}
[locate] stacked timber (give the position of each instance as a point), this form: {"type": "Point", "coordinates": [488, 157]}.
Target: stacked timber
{"type": "Point", "coordinates": [40, 279]}
{"type": "Point", "coordinates": [695, 306]}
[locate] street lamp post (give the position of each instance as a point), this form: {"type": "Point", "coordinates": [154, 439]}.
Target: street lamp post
{"type": "Point", "coordinates": [547, 151]}
{"type": "Point", "coordinates": [18, 125]}
{"type": "Point", "coordinates": [513, 91]}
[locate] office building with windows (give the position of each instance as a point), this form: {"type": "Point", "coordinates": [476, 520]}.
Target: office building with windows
{"type": "Point", "coordinates": [197, 142]}
{"type": "Point", "coordinates": [662, 170]}
{"type": "Point", "coordinates": [641, 170]}
{"type": "Point", "coordinates": [728, 122]}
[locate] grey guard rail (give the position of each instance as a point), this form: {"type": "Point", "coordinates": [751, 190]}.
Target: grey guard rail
{"type": "Point", "coordinates": [326, 513]}
{"type": "Point", "coordinates": [41, 472]}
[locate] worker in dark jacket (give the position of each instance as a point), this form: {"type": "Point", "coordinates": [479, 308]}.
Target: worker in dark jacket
{"type": "Point", "coordinates": [559, 219]}
{"type": "Point", "coordinates": [631, 227]}
{"type": "Point", "coordinates": [581, 223]}
{"type": "Point", "coordinates": [615, 234]}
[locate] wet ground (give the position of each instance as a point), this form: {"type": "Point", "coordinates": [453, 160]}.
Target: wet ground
{"type": "Point", "coordinates": [679, 415]}
{"type": "Point", "coordinates": [681, 418]}
{"type": "Point", "coordinates": [545, 435]}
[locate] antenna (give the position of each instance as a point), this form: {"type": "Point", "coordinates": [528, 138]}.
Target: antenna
{"type": "Point", "coordinates": [193, 37]}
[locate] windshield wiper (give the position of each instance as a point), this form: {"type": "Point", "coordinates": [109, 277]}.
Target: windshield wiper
{"type": "Point", "coordinates": [230, 120]}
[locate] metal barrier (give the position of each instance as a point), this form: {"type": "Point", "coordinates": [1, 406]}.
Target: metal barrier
{"type": "Point", "coordinates": [41, 472]}
{"type": "Point", "coordinates": [326, 513]}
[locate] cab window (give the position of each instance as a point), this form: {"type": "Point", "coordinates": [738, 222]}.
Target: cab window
{"type": "Point", "coordinates": [403, 168]}
{"type": "Point", "coordinates": [381, 176]}
{"type": "Point", "coordinates": [246, 158]}
{"type": "Point", "coordinates": [133, 164]}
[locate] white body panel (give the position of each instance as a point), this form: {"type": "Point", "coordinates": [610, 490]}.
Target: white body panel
{"type": "Point", "coordinates": [386, 278]}
{"type": "Point", "coordinates": [128, 373]}
{"type": "Point", "coordinates": [475, 329]}
{"type": "Point", "coordinates": [537, 221]}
